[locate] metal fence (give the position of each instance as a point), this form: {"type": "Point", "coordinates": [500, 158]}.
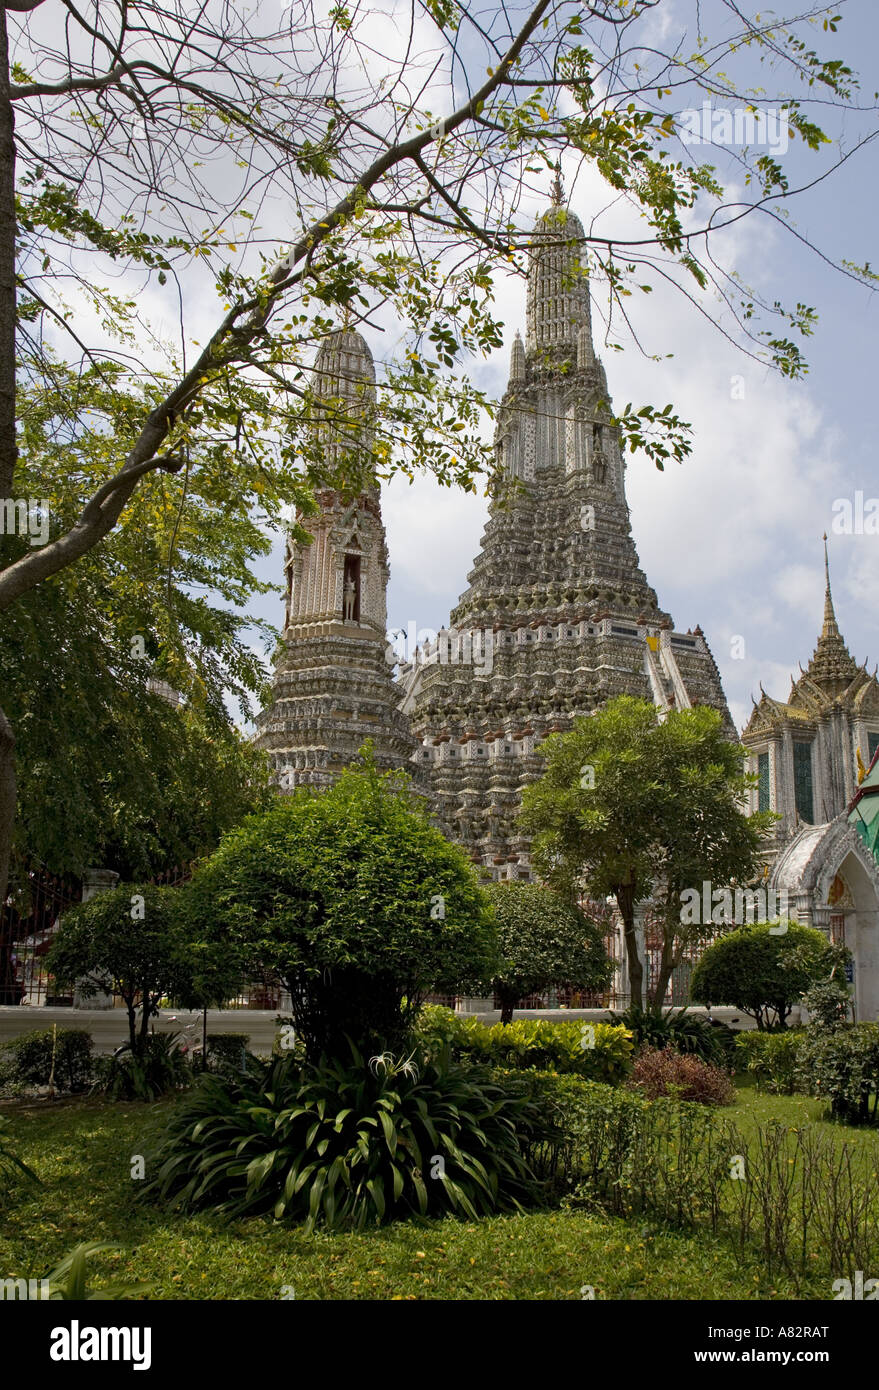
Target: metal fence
{"type": "Point", "coordinates": [34, 902]}
{"type": "Point", "coordinates": [36, 899]}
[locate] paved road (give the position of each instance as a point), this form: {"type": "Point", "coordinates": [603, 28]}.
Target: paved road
{"type": "Point", "coordinates": [109, 1027]}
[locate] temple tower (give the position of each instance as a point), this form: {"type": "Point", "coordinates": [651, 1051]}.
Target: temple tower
{"type": "Point", "coordinates": [333, 687]}
{"type": "Point", "coordinates": [806, 750]}
{"type": "Point", "coordinates": [558, 616]}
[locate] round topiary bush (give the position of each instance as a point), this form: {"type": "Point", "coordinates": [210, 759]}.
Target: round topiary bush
{"type": "Point", "coordinates": [763, 969]}
{"type": "Point", "coordinates": [545, 942]}
{"type": "Point", "coordinates": [356, 902]}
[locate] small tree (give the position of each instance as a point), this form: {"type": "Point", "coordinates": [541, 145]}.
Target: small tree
{"type": "Point", "coordinates": [130, 940]}
{"type": "Point", "coordinates": [544, 941]}
{"type": "Point", "coordinates": [764, 969]}
{"type": "Point", "coordinates": [355, 902]}
{"type": "Point", "coordinates": [637, 807]}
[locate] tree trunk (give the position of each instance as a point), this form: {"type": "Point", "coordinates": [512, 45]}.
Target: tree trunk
{"type": "Point", "coordinates": [7, 800]}
{"type": "Point", "coordinates": [144, 1018]}
{"type": "Point", "coordinates": [669, 962]}
{"type": "Point", "coordinates": [8, 449]}
{"type": "Point", "coordinates": [507, 1007]}
{"type": "Point", "coordinates": [132, 1022]}
{"type": "Point", "coordinates": [625, 897]}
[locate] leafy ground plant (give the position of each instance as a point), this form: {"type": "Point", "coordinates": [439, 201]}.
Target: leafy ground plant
{"type": "Point", "coordinates": [347, 1145]}
{"type": "Point", "coordinates": [68, 1280]}
{"type": "Point", "coordinates": [12, 1168]}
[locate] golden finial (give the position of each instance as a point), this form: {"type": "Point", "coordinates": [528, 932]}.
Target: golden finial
{"type": "Point", "coordinates": [862, 771]}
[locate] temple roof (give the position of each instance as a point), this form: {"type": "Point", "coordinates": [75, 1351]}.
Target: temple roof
{"type": "Point", "coordinates": [832, 678]}
{"type": "Point", "coordinates": [864, 808]}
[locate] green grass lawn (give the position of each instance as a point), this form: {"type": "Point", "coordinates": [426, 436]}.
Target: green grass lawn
{"type": "Point", "coordinates": [755, 1107]}
{"type": "Point", "coordinates": [83, 1152]}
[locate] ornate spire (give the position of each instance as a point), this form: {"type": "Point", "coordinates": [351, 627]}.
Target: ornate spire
{"type": "Point", "coordinates": [344, 379]}
{"type": "Point", "coordinates": [832, 665]}
{"type": "Point", "coordinates": [557, 192]}
{"type": "Point", "coordinates": [517, 359]}
{"type": "Point", "coordinates": [558, 282]}
{"type": "Point", "coordinates": [344, 369]}
{"type": "Point", "coordinates": [830, 627]}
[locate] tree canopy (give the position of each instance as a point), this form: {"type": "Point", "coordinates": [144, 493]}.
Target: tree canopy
{"type": "Point", "coordinates": [355, 901]}
{"type": "Point", "coordinates": [635, 806]}
{"type": "Point", "coordinates": [131, 941]}
{"type": "Point", "coordinates": [764, 968]}
{"type": "Point", "coordinates": [544, 941]}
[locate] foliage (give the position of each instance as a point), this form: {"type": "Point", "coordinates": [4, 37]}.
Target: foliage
{"type": "Point", "coordinates": [665, 1072]}
{"type": "Point", "coordinates": [828, 1004]}
{"type": "Point", "coordinates": [62, 1056]}
{"type": "Point", "coordinates": [634, 806]}
{"type": "Point", "coordinates": [355, 901]}
{"type": "Point", "coordinates": [227, 1050]}
{"type": "Point", "coordinates": [685, 1032]}
{"type": "Point", "coordinates": [346, 1145]}
{"type": "Point", "coordinates": [67, 1281]}
{"type": "Point", "coordinates": [841, 1067]}
{"type": "Point", "coordinates": [545, 941]}
{"type": "Point", "coordinates": [594, 1050]}
{"type": "Point", "coordinates": [773, 1059]}
{"type": "Point", "coordinates": [763, 969]}
{"type": "Point", "coordinates": [156, 1068]}
{"type": "Point", "coordinates": [139, 780]}
{"type": "Point", "coordinates": [12, 1167]}
{"type": "Point", "coordinates": [134, 941]}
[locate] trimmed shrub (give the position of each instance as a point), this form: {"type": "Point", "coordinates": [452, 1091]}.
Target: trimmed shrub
{"type": "Point", "coordinates": [773, 1059]}
{"type": "Point", "coordinates": [346, 1146]}
{"type": "Point", "coordinates": [665, 1072]}
{"type": "Point", "coordinates": [160, 1067]}
{"type": "Point", "coordinates": [544, 941]}
{"type": "Point", "coordinates": [597, 1051]}
{"type": "Point", "coordinates": [764, 969]}
{"type": "Point", "coordinates": [841, 1067]}
{"type": "Point", "coordinates": [686, 1032]}
{"type": "Point", "coordinates": [828, 1004]}
{"type": "Point", "coordinates": [355, 901]}
{"type": "Point", "coordinates": [31, 1058]}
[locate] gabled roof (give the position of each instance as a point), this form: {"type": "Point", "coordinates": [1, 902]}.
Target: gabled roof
{"type": "Point", "coordinates": [832, 678]}
{"type": "Point", "coordinates": [863, 811]}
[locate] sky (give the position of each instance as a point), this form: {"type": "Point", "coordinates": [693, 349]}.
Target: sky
{"type": "Point", "coordinates": [732, 538]}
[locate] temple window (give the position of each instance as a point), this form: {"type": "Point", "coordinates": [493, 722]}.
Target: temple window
{"type": "Point", "coordinates": [764, 799]}
{"type": "Point", "coordinates": [872, 744]}
{"type": "Point", "coordinates": [803, 782]}
{"type": "Point", "coordinates": [351, 589]}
